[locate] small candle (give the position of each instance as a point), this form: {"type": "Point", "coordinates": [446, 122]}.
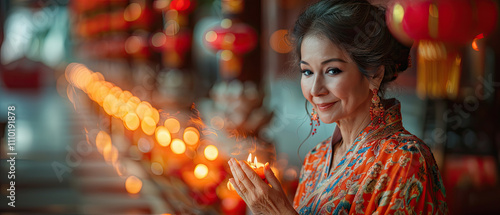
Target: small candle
{"type": "Point", "coordinates": [257, 167]}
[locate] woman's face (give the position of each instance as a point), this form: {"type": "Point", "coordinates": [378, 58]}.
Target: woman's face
{"type": "Point", "coordinates": [331, 81]}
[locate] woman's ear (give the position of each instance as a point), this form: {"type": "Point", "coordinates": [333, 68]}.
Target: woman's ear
{"type": "Point", "coordinates": [376, 79]}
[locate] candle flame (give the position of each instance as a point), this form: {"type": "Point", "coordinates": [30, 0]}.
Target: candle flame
{"type": "Point", "coordinates": [249, 158]}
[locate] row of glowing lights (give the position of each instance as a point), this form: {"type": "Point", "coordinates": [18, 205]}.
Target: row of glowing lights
{"type": "Point", "coordinates": [134, 113]}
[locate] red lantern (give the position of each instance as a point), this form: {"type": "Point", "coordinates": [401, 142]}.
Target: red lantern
{"type": "Point", "coordinates": [182, 6]}
{"type": "Point", "coordinates": [440, 27]}
{"type": "Point", "coordinates": [179, 43]}
{"type": "Point", "coordinates": [239, 38]}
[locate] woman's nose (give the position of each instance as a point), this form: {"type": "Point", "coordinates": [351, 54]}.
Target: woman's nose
{"type": "Point", "coordinates": [318, 88]}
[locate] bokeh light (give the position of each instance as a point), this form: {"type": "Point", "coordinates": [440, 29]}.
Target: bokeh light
{"type": "Point", "coordinates": [163, 136]}
{"type": "Point", "coordinates": [132, 12]}
{"type": "Point", "coordinates": [131, 121]}
{"type": "Point", "coordinates": [148, 125]}
{"type": "Point", "coordinates": [178, 146]}
{"type": "Point", "coordinates": [102, 140]}
{"type": "Point", "coordinates": [201, 171]}
{"type": "Point", "coordinates": [191, 136]}
{"type": "Point", "coordinates": [172, 125]}
{"type": "Point", "coordinates": [133, 185]}
{"type": "Point", "coordinates": [279, 43]}
{"type": "Point", "coordinates": [211, 152]}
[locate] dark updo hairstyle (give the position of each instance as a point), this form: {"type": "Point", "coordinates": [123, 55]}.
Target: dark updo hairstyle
{"type": "Point", "coordinates": [359, 28]}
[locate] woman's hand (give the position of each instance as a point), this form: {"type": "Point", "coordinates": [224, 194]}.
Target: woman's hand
{"type": "Point", "coordinates": [259, 196]}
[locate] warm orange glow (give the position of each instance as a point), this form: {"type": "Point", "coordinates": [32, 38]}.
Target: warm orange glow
{"type": "Point", "coordinates": [191, 136]}
{"type": "Point", "coordinates": [474, 42]}
{"type": "Point", "coordinates": [148, 125]}
{"type": "Point", "coordinates": [163, 136]}
{"type": "Point", "coordinates": [172, 125]}
{"type": "Point", "coordinates": [201, 171]}
{"type": "Point", "coordinates": [153, 113]}
{"type": "Point", "coordinates": [131, 121]}
{"type": "Point", "coordinates": [133, 185]}
{"type": "Point", "coordinates": [115, 108]}
{"type": "Point", "coordinates": [102, 140]}
{"type": "Point", "coordinates": [258, 167]}
{"type": "Point", "coordinates": [279, 42]}
{"type": "Point", "coordinates": [177, 146]}
{"type": "Point", "coordinates": [132, 12]}
{"type": "Point", "coordinates": [211, 152]}
{"type": "Point", "coordinates": [125, 96]}
{"type": "Point", "coordinates": [124, 109]}
{"type": "Point", "coordinates": [132, 104]}
{"type": "Point", "coordinates": [102, 92]}
{"type": "Point", "coordinates": [142, 108]}
{"type": "Point", "coordinates": [110, 154]}
{"type": "Point", "coordinates": [230, 186]}
{"type": "Point", "coordinates": [109, 104]}
{"type": "Point", "coordinates": [474, 45]}
{"type": "Point", "coordinates": [116, 91]}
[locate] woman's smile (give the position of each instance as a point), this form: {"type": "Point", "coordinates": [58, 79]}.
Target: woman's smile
{"type": "Point", "coordinates": [325, 106]}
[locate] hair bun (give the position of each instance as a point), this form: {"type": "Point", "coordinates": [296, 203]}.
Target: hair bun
{"type": "Point", "coordinates": [402, 57]}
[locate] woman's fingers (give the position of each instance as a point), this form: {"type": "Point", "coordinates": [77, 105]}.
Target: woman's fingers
{"type": "Point", "coordinates": [252, 175]}
{"type": "Point", "coordinates": [237, 188]}
{"type": "Point", "coordinates": [241, 179]}
{"type": "Point", "coordinates": [271, 178]}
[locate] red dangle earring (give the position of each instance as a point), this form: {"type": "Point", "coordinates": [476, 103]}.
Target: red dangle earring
{"type": "Point", "coordinates": [377, 109]}
{"type": "Point", "coordinates": [315, 119]}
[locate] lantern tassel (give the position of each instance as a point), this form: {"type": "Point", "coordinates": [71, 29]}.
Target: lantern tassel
{"type": "Point", "coordinates": [438, 70]}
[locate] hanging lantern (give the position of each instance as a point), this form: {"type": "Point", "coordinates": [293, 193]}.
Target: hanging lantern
{"type": "Point", "coordinates": [232, 41]}
{"type": "Point", "coordinates": [440, 28]}
{"type": "Point", "coordinates": [182, 6]}
{"type": "Point", "coordinates": [239, 38]}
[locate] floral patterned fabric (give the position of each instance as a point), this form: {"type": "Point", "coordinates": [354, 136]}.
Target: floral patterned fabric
{"type": "Point", "coordinates": [387, 170]}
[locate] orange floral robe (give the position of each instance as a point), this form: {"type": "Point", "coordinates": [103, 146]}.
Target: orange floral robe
{"type": "Point", "coordinates": [387, 170]}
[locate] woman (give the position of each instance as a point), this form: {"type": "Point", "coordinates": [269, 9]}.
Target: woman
{"type": "Point", "coordinates": [371, 164]}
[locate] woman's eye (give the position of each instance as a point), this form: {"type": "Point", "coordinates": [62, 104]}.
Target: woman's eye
{"type": "Point", "coordinates": [306, 72]}
{"type": "Point", "coordinates": [333, 71]}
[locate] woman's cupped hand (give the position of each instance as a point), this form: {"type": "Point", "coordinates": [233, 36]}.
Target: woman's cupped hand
{"type": "Point", "coordinates": [259, 196]}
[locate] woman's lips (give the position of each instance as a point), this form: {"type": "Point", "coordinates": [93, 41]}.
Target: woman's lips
{"type": "Point", "coordinates": [325, 106]}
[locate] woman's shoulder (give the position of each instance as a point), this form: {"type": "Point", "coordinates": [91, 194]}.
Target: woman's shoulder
{"type": "Point", "coordinates": [406, 143]}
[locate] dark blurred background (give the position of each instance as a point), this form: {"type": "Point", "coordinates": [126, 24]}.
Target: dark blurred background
{"type": "Point", "coordinates": [219, 77]}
